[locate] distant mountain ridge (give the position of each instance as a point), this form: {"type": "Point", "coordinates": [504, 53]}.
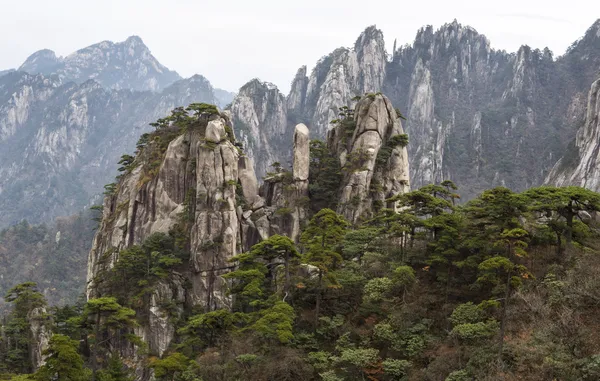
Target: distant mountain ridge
{"type": "Point", "coordinates": [122, 65]}
{"type": "Point", "coordinates": [64, 123]}
{"type": "Point", "coordinates": [475, 115]}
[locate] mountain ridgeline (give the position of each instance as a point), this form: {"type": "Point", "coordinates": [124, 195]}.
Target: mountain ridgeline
{"type": "Point", "coordinates": [192, 191]}
{"type": "Point", "coordinates": [63, 121]}
{"type": "Point", "coordinates": [314, 236]}
{"type": "Point", "coordinates": [474, 114]}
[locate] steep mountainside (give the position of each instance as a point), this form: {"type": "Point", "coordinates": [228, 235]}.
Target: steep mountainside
{"type": "Point", "coordinates": [52, 255]}
{"type": "Point", "coordinates": [261, 120]}
{"type": "Point", "coordinates": [474, 114]}
{"type": "Point", "coordinates": [224, 97]}
{"type": "Point", "coordinates": [3, 72]}
{"type": "Point", "coordinates": [123, 65]}
{"type": "Point", "coordinates": [580, 166]}
{"type": "Point", "coordinates": [193, 189]}
{"type": "Point", "coordinates": [58, 142]}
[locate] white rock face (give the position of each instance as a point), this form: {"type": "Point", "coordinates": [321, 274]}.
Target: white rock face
{"type": "Point", "coordinates": [40, 335]}
{"type": "Point", "coordinates": [336, 79]}
{"type": "Point", "coordinates": [265, 120]}
{"type": "Point", "coordinates": [474, 114]}
{"type": "Point", "coordinates": [301, 153]}
{"type": "Point", "coordinates": [260, 117]}
{"type": "Point", "coordinates": [581, 164]}
{"type": "Point", "coordinates": [215, 131]}
{"type": "Point", "coordinates": [369, 181]}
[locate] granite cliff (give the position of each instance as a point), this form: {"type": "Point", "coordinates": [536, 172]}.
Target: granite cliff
{"type": "Point", "coordinates": [191, 180]}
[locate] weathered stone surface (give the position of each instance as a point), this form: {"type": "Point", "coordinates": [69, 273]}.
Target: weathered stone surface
{"type": "Point", "coordinates": [580, 166]}
{"type": "Point", "coordinates": [40, 335]}
{"type": "Point", "coordinates": [248, 180]}
{"type": "Point", "coordinates": [474, 114]}
{"type": "Point", "coordinates": [159, 331]}
{"type": "Point", "coordinates": [368, 180]}
{"type": "Point", "coordinates": [301, 153]}
{"type": "Point", "coordinates": [260, 116]}
{"type": "Point", "coordinates": [215, 131]}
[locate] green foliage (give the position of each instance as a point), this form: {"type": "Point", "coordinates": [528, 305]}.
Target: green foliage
{"type": "Point", "coordinates": [399, 114]}
{"type": "Point", "coordinates": [396, 368]}
{"type": "Point", "coordinates": [62, 361]}
{"type": "Point", "coordinates": [126, 163]}
{"type": "Point", "coordinates": [345, 124]}
{"type": "Point", "coordinates": [377, 289]}
{"type": "Point", "coordinates": [425, 289]}
{"type": "Point", "coordinates": [276, 323]}
{"type": "Point", "coordinates": [199, 109]}
{"type": "Point", "coordinates": [475, 331]}
{"type": "Point", "coordinates": [386, 151]}
{"type": "Point", "coordinates": [356, 161]}
{"type": "Point", "coordinates": [115, 371]}
{"type": "Point", "coordinates": [25, 299]}
{"type": "Point", "coordinates": [561, 207]}
{"type": "Point", "coordinates": [205, 330]}
{"type": "Point", "coordinates": [168, 367]}
{"type": "Point", "coordinates": [466, 313]}
{"type": "Point", "coordinates": [324, 176]}
{"type": "Point", "coordinates": [110, 189]}
{"type": "Point", "coordinates": [360, 357]}
{"type": "Point", "coordinates": [459, 375]}
{"type": "Point", "coordinates": [140, 267]}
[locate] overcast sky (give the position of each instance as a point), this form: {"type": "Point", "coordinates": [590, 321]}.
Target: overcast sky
{"type": "Point", "coordinates": [231, 42]}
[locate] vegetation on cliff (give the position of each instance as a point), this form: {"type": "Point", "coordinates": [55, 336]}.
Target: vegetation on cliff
{"type": "Point", "coordinates": [503, 287]}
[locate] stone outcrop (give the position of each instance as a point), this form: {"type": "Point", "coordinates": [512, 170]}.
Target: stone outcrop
{"type": "Point", "coordinates": [205, 181]}
{"type": "Point", "coordinates": [260, 115]}
{"type": "Point", "coordinates": [580, 166]}
{"type": "Point", "coordinates": [336, 79]}
{"type": "Point", "coordinates": [40, 333]}
{"type": "Point", "coordinates": [375, 163]}
{"type": "Point", "coordinates": [205, 184]}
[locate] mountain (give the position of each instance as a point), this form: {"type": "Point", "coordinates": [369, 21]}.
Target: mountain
{"type": "Point", "coordinates": [474, 114]}
{"type": "Point", "coordinates": [224, 97]}
{"type": "Point", "coordinates": [59, 143]}
{"type": "Point", "coordinates": [3, 72]}
{"type": "Point", "coordinates": [260, 118]}
{"type": "Point", "coordinates": [192, 188]}
{"type": "Point", "coordinates": [580, 165]}
{"type": "Point", "coordinates": [122, 65]}
{"type": "Point", "coordinates": [45, 253]}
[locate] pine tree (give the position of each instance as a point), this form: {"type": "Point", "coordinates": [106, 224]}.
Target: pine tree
{"type": "Point", "coordinates": [62, 361]}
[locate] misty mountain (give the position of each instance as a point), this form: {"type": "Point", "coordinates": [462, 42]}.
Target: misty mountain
{"type": "Point", "coordinates": [478, 116]}
{"type": "Point", "coordinates": [122, 65]}
{"type": "Point", "coordinates": [59, 143]}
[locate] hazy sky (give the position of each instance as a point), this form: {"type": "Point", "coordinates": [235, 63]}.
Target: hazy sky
{"type": "Point", "coordinates": [231, 42]}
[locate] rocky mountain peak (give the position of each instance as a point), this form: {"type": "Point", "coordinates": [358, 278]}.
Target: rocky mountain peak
{"type": "Point", "coordinates": [371, 35]}
{"type": "Point", "coordinates": [204, 189]}
{"type": "Point", "coordinates": [43, 61]}
{"type": "Point", "coordinates": [260, 114]}
{"type": "Point", "coordinates": [122, 65]}
{"type": "Point", "coordinates": [135, 40]}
